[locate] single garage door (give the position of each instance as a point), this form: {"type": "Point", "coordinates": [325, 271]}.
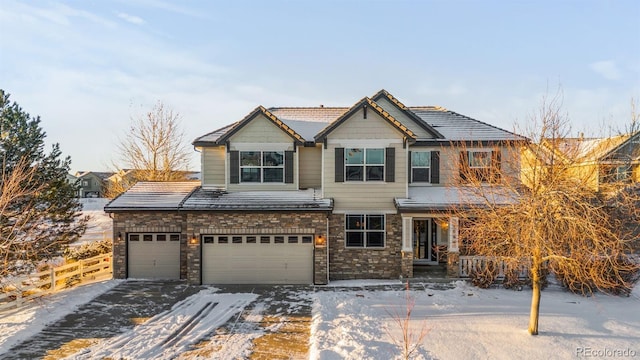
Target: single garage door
{"type": "Point", "coordinates": [257, 259]}
{"type": "Point", "coordinates": [154, 256]}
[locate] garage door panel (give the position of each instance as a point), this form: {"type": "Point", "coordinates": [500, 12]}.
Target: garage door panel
{"type": "Point", "coordinates": [257, 263]}
{"type": "Point", "coordinates": [156, 258]}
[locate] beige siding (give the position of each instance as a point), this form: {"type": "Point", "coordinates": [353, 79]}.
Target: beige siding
{"type": "Point", "coordinates": [261, 130]}
{"type": "Point", "coordinates": [373, 132]}
{"type": "Point", "coordinates": [262, 135]}
{"type": "Point", "coordinates": [213, 166]}
{"type": "Point", "coordinates": [450, 163]}
{"type": "Point", "coordinates": [403, 118]}
{"type": "Point", "coordinates": [310, 164]}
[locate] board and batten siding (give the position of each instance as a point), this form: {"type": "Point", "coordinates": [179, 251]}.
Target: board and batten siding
{"type": "Point", "coordinates": [399, 115]}
{"type": "Point", "coordinates": [373, 132]}
{"type": "Point", "coordinates": [310, 162]}
{"type": "Point", "coordinates": [262, 135]}
{"type": "Point", "coordinates": [213, 167]}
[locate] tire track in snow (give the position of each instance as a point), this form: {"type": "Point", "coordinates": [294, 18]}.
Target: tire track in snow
{"type": "Point", "coordinates": [170, 333]}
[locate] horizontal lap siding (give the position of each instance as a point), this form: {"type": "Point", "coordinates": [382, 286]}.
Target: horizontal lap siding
{"type": "Point", "coordinates": [213, 166]}
{"type": "Point", "coordinates": [403, 118]}
{"type": "Point", "coordinates": [369, 196]}
{"type": "Point", "coordinates": [310, 162]}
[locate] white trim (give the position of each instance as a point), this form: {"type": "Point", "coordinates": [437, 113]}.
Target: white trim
{"type": "Point", "coordinates": [407, 233]}
{"type": "Point", "coordinates": [366, 212]}
{"type": "Point", "coordinates": [453, 235]}
{"type": "Point", "coordinates": [364, 143]}
{"type": "Point", "coordinates": [261, 146]}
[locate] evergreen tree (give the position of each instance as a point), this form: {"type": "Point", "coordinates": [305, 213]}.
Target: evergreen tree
{"type": "Point", "coordinates": [39, 213]}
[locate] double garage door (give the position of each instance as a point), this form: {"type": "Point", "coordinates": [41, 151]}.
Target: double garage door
{"type": "Point", "coordinates": [226, 259]}
{"type": "Point", "coordinates": [154, 256]}
{"type": "Point", "coordinates": [257, 259]}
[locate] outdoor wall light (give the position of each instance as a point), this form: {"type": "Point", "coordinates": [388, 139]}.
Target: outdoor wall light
{"type": "Point", "coordinates": [193, 239]}
{"type": "Point", "coordinates": [119, 236]}
{"type": "Point", "coordinates": [320, 240]}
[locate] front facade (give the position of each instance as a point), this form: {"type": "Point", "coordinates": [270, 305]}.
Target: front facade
{"type": "Point", "coordinates": [310, 195]}
{"type": "Point", "coordinates": [92, 183]}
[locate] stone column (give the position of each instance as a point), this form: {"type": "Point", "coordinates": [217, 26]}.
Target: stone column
{"type": "Point", "coordinates": [119, 247]}
{"type": "Point", "coordinates": [453, 256]}
{"type": "Point", "coordinates": [407, 264]}
{"type": "Point", "coordinates": [320, 265]}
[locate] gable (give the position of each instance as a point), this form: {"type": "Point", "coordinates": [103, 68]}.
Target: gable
{"type": "Point", "coordinates": [401, 116]}
{"type": "Point", "coordinates": [260, 130]}
{"type": "Point", "coordinates": [629, 150]}
{"type": "Point", "coordinates": [374, 126]}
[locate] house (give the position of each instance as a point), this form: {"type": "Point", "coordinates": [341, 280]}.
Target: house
{"type": "Point", "coordinates": [314, 194]}
{"type": "Point", "coordinates": [92, 183]}
{"type": "Point", "coordinates": [601, 164]}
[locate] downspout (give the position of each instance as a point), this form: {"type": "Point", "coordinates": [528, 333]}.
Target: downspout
{"type": "Point", "coordinates": [327, 244]}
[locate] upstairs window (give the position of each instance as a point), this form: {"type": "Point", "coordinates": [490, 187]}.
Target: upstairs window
{"type": "Point", "coordinates": [421, 166]}
{"type": "Point", "coordinates": [366, 231]}
{"type": "Point", "coordinates": [480, 165]}
{"type": "Point", "coordinates": [614, 174]}
{"type": "Point", "coordinates": [362, 164]}
{"type": "Point", "coordinates": [262, 166]}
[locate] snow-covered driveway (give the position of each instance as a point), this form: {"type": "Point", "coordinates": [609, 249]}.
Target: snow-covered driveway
{"type": "Point", "coordinates": [167, 335]}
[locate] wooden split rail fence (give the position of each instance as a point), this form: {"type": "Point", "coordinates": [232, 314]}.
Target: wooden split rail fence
{"type": "Point", "coordinates": [16, 291]}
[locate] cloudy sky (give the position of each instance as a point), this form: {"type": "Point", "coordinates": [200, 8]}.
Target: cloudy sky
{"type": "Point", "coordinates": [87, 67]}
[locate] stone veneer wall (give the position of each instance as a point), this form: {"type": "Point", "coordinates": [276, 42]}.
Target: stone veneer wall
{"type": "Point", "coordinates": [360, 263]}
{"type": "Point", "coordinates": [152, 221]}
{"type": "Point", "coordinates": [314, 223]}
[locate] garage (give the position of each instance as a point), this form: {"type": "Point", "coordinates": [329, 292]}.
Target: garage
{"type": "Point", "coordinates": [257, 259]}
{"type": "Point", "coordinates": [154, 256]}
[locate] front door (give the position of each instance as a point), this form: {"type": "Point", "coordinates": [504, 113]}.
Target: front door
{"type": "Point", "coordinates": [424, 237]}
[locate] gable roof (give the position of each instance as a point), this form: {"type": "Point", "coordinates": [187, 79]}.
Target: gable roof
{"type": "Point", "coordinates": [226, 133]}
{"type": "Point", "coordinates": [102, 175]}
{"type": "Point", "coordinates": [597, 149]}
{"type": "Point", "coordinates": [428, 128]}
{"type": "Point", "coordinates": [377, 108]}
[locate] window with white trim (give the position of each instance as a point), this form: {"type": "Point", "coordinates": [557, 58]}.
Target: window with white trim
{"type": "Point", "coordinates": [262, 166]}
{"type": "Point", "coordinates": [421, 166]}
{"type": "Point", "coordinates": [480, 159]}
{"type": "Point", "coordinates": [362, 164]}
{"type": "Point", "coordinates": [365, 231]}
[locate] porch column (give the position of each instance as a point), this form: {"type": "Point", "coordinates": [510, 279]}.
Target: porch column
{"type": "Point", "coordinates": [453, 254]}
{"type": "Point", "coordinates": [407, 247]}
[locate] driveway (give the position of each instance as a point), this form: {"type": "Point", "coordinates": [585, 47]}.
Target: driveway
{"type": "Point", "coordinates": [153, 319]}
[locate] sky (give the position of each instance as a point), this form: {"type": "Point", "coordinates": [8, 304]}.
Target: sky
{"type": "Point", "coordinates": [88, 67]}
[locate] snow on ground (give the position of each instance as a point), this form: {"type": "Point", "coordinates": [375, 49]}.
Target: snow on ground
{"type": "Point", "coordinates": [99, 226]}
{"type": "Point", "coordinates": [22, 323]}
{"type": "Point", "coordinates": [352, 320]}
{"type": "Point", "coordinates": [470, 323]}
{"type": "Point", "coordinates": [168, 334]}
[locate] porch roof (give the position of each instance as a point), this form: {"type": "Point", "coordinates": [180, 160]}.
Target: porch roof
{"type": "Point", "coordinates": [295, 200]}
{"type": "Point", "coordinates": [441, 198]}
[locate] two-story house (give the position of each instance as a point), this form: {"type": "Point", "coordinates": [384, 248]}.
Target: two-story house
{"type": "Point", "coordinates": [92, 183]}
{"type": "Point", "coordinates": [309, 195]}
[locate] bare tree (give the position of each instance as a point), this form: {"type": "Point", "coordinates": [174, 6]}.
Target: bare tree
{"type": "Point", "coordinates": [153, 148]}
{"type": "Point", "coordinates": [556, 223]}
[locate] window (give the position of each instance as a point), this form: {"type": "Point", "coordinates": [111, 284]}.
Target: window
{"type": "Point", "coordinates": [480, 165]}
{"type": "Point", "coordinates": [135, 237]}
{"type": "Point", "coordinates": [236, 240]}
{"type": "Point", "coordinates": [262, 166]}
{"type": "Point", "coordinates": [207, 239]}
{"type": "Point", "coordinates": [265, 239]}
{"type": "Point", "coordinates": [174, 237]}
{"type": "Point", "coordinates": [223, 240]}
{"type": "Point", "coordinates": [307, 239]}
{"type": "Point", "coordinates": [251, 239]}
{"type": "Point", "coordinates": [364, 231]}
{"type": "Point", "coordinates": [161, 237]}
{"type": "Point", "coordinates": [364, 164]}
{"type": "Point", "coordinates": [616, 173]}
{"type": "Point", "coordinates": [421, 166]}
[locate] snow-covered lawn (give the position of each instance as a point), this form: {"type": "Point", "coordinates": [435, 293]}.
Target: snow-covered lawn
{"type": "Point", "coordinates": [351, 321]}
{"type": "Point", "coordinates": [100, 226]}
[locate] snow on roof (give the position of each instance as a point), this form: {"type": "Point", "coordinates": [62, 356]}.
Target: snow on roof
{"type": "Point", "coordinates": [152, 196]}
{"type": "Point", "coordinates": [454, 126]}
{"type": "Point", "coordinates": [590, 149]}
{"type": "Point", "coordinates": [205, 199]}
{"type": "Point", "coordinates": [445, 198]}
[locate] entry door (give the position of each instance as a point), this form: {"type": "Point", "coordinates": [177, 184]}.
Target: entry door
{"type": "Point", "coordinates": [424, 237]}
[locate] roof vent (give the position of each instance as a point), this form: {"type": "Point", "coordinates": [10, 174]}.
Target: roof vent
{"type": "Point", "coordinates": [321, 105]}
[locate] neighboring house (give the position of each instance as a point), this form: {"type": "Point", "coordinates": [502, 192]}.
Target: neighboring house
{"type": "Point", "coordinates": [309, 195]}
{"type": "Point", "coordinates": [601, 164]}
{"type": "Point", "coordinates": [92, 183]}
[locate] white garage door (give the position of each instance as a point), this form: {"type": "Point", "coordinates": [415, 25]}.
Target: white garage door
{"type": "Point", "coordinates": [154, 256]}
{"type": "Point", "coordinates": [257, 259]}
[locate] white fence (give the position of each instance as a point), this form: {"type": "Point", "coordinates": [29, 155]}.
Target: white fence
{"type": "Point", "coordinates": [468, 264]}
{"type": "Point", "coordinates": [18, 290]}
